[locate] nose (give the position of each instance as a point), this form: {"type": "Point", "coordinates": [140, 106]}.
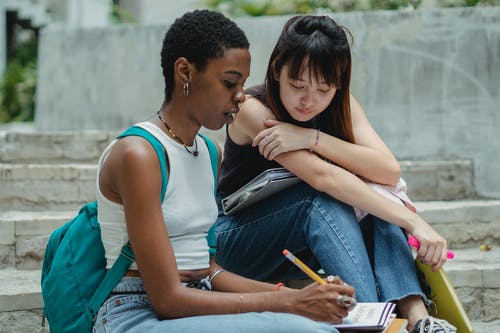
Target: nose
{"type": "Point", "coordinates": [239, 97]}
{"type": "Point", "coordinates": [306, 101]}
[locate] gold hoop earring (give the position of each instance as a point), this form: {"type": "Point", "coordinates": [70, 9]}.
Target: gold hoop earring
{"type": "Point", "coordinates": [185, 89]}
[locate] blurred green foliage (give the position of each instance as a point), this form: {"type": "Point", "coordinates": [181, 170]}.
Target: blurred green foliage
{"type": "Point", "coordinates": [18, 84]}
{"type": "Point", "coordinates": [120, 15]}
{"type": "Point", "coordinates": [237, 8]}
{"type": "Point", "coordinates": [468, 3]}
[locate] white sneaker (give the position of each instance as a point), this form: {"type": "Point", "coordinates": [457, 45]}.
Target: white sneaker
{"type": "Point", "coordinates": [433, 325]}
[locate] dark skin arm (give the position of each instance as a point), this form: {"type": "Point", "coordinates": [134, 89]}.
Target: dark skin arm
{"type": "Point", "coordinates": [132, 174]}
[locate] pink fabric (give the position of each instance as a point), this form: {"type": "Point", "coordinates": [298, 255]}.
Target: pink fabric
{"type": "Point", "coordinates": [396, 193]}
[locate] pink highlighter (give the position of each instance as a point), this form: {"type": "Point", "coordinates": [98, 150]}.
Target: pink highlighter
{"type": "Point", "coordinates": [413, 242]}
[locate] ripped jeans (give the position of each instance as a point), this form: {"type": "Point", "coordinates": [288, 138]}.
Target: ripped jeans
{"type": "Point", "coordinates": [372, 256]}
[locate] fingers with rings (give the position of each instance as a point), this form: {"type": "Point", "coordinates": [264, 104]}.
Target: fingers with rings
{"type": "Point", "coordinates": [346, 301]}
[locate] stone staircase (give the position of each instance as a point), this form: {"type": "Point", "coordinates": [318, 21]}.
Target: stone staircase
{"type": "Point", "coordinates": [46, 177]}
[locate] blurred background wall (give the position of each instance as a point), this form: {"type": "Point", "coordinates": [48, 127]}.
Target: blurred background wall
{"type": "Point", "coordinates": [428, 79]}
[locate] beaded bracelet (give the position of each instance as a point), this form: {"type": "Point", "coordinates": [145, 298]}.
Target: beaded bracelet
{"type": "Point", "coordinates": [278, 286]}
{"type": "Point", "coordinates": [315, 141]}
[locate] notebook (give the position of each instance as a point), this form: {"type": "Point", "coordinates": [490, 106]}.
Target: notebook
{"type": "Point", "coordinates": [368, 317]}
{"type": "Point", "coordinates": [267, 183]}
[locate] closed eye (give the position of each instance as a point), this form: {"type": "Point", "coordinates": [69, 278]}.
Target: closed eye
{"type": "Point", "coordinates": [296, 86]}
{"type": "Point", "coordinates": [229, 84]}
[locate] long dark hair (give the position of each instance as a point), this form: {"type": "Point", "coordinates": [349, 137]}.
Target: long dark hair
{"type": "Point", "coordinates": [322, 45]}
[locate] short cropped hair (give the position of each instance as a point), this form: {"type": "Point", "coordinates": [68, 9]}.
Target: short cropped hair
{"type": "Point", "coordinates": [198, 36]}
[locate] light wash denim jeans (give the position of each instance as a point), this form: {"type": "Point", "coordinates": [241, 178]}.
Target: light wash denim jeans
{"type": "Point", "coordinates": [127, 312]}
{"type": "Point", "coordinates": [372, 256]}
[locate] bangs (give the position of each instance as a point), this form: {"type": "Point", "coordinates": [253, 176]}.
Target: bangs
{"type": "Point", "coordinates": [325, 63]}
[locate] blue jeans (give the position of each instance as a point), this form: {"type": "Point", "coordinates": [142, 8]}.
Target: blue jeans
{"type": "Point", "coordinates": [129, 310]}
{"type": "Point", "coordinates": [371, 256]}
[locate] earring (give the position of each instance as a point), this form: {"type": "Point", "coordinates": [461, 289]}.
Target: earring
{"type": "Point", "coordinates": [185, 89]}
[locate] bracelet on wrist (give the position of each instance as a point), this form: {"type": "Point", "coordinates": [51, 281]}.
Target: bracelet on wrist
{"type": "Point", "coordinates": [316, 141]}
{"type": "Point", "coordinates": [239, 304]}
{"type": "Point", "coordinates": [217, 272]}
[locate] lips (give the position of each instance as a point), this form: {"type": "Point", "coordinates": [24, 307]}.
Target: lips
{"type": "Point", "coordinates": [303, 111]}
{"type": "Point", "coordinates": [230, 115]}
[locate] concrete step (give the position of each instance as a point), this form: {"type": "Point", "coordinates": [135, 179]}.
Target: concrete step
{"type": "Point", "coordinates": [464, 223]}
{"type": "Point", "coordinates": [473, 273]}
{"type": "Point", "coordinates": [24, 236]}
{"type": "Point", "coordinates": [20, 147]}
{"type": "Point", "coordinates": [21, 302]}
{"type": "Point", "coordinates": [46, 186]}
{"type": "Point", "coordinates": [63, 185]}
{"type": "Point", "coordinates": [439, 180]}
{"type": "Point", "coordinates": [429, 180]}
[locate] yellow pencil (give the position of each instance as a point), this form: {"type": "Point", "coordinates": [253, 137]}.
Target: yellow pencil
{"type": "Point", "coordinates": [303, 267]}
{"type": "Point", "coordinates": [342, 300]}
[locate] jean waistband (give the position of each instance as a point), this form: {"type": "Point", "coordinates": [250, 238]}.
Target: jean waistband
{"type": "Point", "coordinates": [129, 284]}
{"type": "Point", "coordinates": [134, 285]}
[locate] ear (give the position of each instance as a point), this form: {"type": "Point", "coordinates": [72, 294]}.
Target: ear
{"type": "Point", "coordinates": [183, 69]}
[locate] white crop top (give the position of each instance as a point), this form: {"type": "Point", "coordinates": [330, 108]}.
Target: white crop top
{"type": "Point", "coordinates": [189, 208]}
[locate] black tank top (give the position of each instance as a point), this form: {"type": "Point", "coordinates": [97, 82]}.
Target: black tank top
{"type": "Point", "coordinates": [240, 164]}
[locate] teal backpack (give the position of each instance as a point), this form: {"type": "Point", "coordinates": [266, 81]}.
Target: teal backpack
{"type": "Point", "coordinates": [74, 279]}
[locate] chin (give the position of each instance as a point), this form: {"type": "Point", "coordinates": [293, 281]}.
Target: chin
{"type": "Point", "coordinates": [214, 127]}
{"type": "Point", "coordinates": [302, 118]}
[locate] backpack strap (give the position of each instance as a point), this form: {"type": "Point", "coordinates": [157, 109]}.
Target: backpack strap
{"type": "Point", "coordinates": [126, 257]}
{"type": "Point", "coordinates": [159, 149]}
{"type": "Point", "coordinates": [111, 279]}
{"type": "Point", "coordinates": [214, 159]}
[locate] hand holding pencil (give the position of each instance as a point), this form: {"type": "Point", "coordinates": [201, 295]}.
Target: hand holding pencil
{"type": "Point", "coordinates": [342, 300]}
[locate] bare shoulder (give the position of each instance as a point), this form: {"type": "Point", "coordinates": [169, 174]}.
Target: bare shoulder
{"type": "Point", "coordinates": [253, 108]}
{"type": "Point", "coordinates": [249, 121]}
{"type": "Point", "coordinates": [134, 149]}
{"type": "Point", "coordinates": [134, 157]}
{"type": "Point", "coordinates": [358, 115]}
{"type": "Point", "coordinates": [356, 107]}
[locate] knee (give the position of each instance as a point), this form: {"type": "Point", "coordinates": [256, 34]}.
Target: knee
{"type": "Point", "coordinates": [386, 228]}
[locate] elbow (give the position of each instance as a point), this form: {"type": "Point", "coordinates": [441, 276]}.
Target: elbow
{"type": "Point", "coordinates": [394, 174]}
{"type": "Point", "coordinates": [164, 310]}
{"type": "Point", "coordinates": [320, 180]}
{"type": "Point", "coordinates": [169, 307]}
{"type": "Point", "coordinates": [389, 175]}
